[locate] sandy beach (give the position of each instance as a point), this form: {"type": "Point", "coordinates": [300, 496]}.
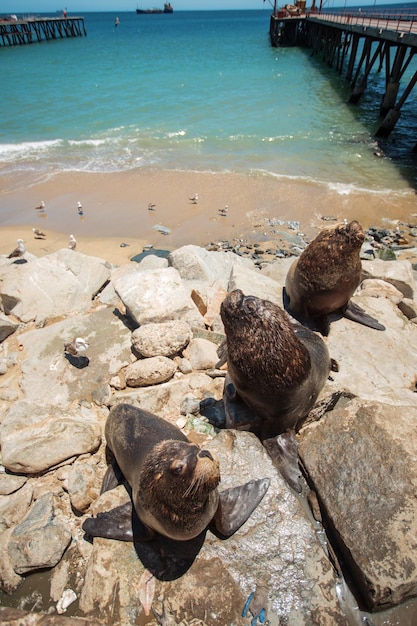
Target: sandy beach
{"type": "Point", "coordinates": [115, 209]}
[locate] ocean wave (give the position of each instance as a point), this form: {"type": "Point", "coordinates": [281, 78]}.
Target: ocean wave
{"type": "Point", "coordinates": [12, 151]}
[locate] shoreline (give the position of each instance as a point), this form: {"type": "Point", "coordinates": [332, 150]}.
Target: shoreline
{"type": "Point", "coordinates": [115, 210]}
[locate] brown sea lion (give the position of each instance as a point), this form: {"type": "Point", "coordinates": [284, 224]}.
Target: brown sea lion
{"type": "Point", "coordinates": [276, 370]}
{"type": "Point", "coordinates": [323, 279]}
{"type": "Point", "coordinates": [276, 367]}
{"type": "Point", "coordinates": [173, 483]}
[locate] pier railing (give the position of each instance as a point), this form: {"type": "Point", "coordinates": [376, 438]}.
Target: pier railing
{"type": "Point", "coordinates": [404, 21]}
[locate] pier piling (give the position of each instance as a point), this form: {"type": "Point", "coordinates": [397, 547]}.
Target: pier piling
{"type": "Point", "coordinates": [356, 43]}
{"type": "Point", "coordinates": [19, 32]}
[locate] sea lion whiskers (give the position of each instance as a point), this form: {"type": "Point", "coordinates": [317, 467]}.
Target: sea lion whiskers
{"type": "Point", "coordinates": [206, 476]}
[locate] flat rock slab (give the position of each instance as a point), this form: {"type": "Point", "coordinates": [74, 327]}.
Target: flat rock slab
{"type": "Point", "coordinates": [376, 365]}
{"type": "Point", "coordinates": [57, 284]}
{"type": "Point", "coordinates": [51, 377]}
{"type": "Point", "coordinates": [361, 460]}
{"type": "Point", "coordinates": [35, 437]}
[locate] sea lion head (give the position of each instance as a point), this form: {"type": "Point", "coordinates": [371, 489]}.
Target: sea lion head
{"type": "Point", "coordinates": [177, 476]}
{"type": "Point", "coordinates": [262, 347]}
{"type": "Point", "coordinates": [350, 234]}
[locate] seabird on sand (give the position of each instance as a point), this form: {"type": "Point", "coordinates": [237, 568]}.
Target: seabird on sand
{"type": "Point", "coordinates": [76, 347]}
{"type": "Point", "coordinates": [194, 199]}
{"type": "Point", "coordinates": [151, 206]}
{"type": "Point", "coordinates": [38, 233]}
{"type": "Point", "coordinates": [80, 208]}
{"type": "Point", "coordinates": [224, 210]}
{"type": "Point", "coordinates": [41, 207]}
{"type": "Point", "coordinates": [19, 251]}
{"type": "Point", "coordinates": [72, 244]}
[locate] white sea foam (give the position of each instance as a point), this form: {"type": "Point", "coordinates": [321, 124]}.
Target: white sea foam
{"type": "Point", "coordinates": [12, 151]}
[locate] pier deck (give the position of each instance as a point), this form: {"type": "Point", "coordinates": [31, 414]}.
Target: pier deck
{"type": "Point", "coordinates": [18, 32]}
{"type": "Point", "coordinates": [355, 43]}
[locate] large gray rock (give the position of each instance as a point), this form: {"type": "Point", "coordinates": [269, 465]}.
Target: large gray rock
{"type": "Point", "coordinates": [40, 540]}
{"type": "Point", "coordinates": [35, 437]}
{"type": "Point", "coordinates": [151, 371]}
{"type": "Point", "coordinates": [361, 460]}
{"type": "Point", "coordinates": [197, 264]}
{"type": "Point", "coordinates": [155, 296]}
{"type": "Point", "coordinates": [164, 339]}
{"type": "Point", "coordinates": [49, 376]}
{"type": "Point", "coordinates": [60, 283]}
{"type": "Point", "coordinates": [14, 507]}
{"type": "Point", "coordinates": [275, 554]}
{"type": "Point", "coordinates": [255, 283]}
{"type": "Point", "coordinates": [398, 273]}
{"type": "Point", "coordinates": [376, 365]}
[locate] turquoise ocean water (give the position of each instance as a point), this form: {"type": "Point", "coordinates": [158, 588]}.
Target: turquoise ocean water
{"type": "Point", "coordinates": [197, 90]}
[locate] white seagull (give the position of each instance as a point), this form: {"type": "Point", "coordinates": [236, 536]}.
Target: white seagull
{"type": "Point", "coordinates": [19, 251]}
{"type": "Point", "coordinates": [72, 244]}
{"type": "Point", "coordinates": [194, 199]}
{"type": "Point", "coordinates": [79, 207]}
{"type": "Point", "coordinates": [41, 207]}
{"type": "Point", "coordinates": [38, 233]}
{"type": "Point", "coordinates": [76, 347]}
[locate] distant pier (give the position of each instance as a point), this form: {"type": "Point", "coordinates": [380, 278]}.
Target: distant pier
{"type": "Point", "coordinates": [355, 43]}
{"type": "Point", "coordinates": [19, 32]}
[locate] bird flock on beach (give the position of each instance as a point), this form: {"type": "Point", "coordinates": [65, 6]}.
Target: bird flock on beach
{"type": "Point", "coordinates": [20, 249]}
{"type": "Point", "coordinates": [77, 347]}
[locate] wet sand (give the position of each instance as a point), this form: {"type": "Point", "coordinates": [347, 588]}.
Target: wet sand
{"type": "Point", "coordinates": [115, 209]}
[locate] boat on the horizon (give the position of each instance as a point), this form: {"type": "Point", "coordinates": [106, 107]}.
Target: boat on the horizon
{"type": "Point", "coordinates": [167, 9]}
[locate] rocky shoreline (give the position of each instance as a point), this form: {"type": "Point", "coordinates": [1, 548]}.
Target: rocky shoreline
{"type": "Point", "coordinates": [153, 329]}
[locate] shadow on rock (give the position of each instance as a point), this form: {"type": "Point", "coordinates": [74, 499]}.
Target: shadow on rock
{"type": "Point", "coordinates": [80, 362]}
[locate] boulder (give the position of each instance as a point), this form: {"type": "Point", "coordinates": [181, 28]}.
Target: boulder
{"type": "Point", "coordinates": [360, 458]}
{"type": "Point", "coordinates": [57, 284]}
{"type": "Point", "coordinates": [40, 540]}
{"type": "Point", "coordinates": [255, 283]}
{"type": "Point", "coordinates": [155, 296]}
{"type": "Point", "coordinates": [375, 365]}
{"type": "Point", "coordinates": [69, 379]}
{"type": "Point", "coordinates": [202, 354]}
{"type": "Point", "coordinates": [164, 339]}
{"type": "Point", "coordinates": [35, 437]}
{"type": "Point", "coordinates": [156, 369]}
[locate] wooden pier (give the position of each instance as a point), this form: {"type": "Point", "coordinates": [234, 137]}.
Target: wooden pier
{"type": "Point", "coordinates": [19, 32]}
{"type": "Point", "coordinates": [355, 43]}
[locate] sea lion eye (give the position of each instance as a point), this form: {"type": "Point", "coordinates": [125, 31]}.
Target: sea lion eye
{"type": "Point", "coordinates": [177, 467]}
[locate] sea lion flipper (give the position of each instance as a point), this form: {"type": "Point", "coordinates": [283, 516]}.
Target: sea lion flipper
{"type": "Point", "coordinates": [237, 504]}
{"type": "Point", "coordinates": [355, 313]}
{"type": "Point", "coordinates": [283, 451]}
{"type": "Point", "coordinates": [120, 523]}
{"type": "Point", "coordinates": [112, 478]}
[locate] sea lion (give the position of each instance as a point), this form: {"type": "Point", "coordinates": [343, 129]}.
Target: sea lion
{"type": "Point", "coordinates": [173, 483]}
{"type": "Point", "coordinates": [323, 279]}
{"type": "Point", "coordinates": [276, 370]}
